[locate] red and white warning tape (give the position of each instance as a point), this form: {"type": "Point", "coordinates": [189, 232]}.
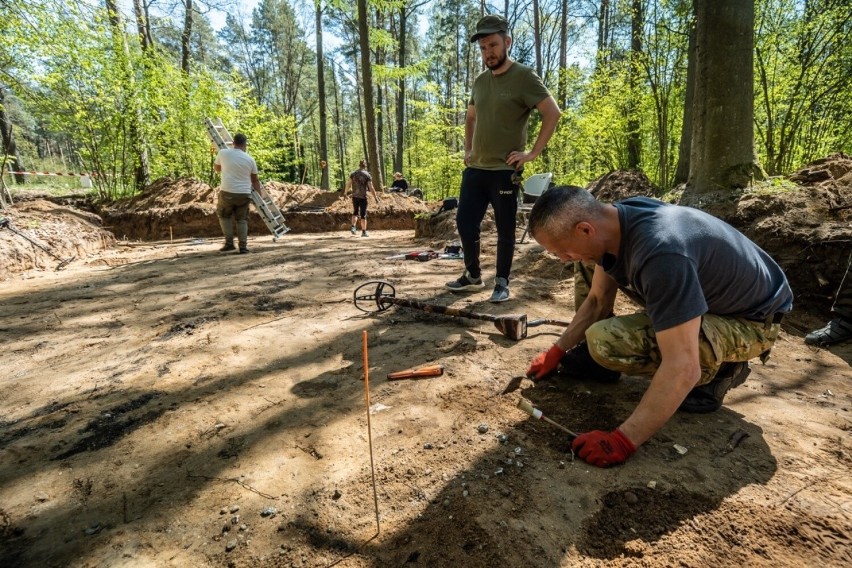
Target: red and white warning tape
{"type": "Point", "coordinates": [54, 174]}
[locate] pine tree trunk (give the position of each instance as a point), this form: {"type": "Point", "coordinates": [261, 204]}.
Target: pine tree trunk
{"type": "Point", "coordinates": [634, 141]}
{"type": "Point", "coordinates": [400, 97]}
{"type": "Point", "coordinates": [186, 36]}
{"type": "Point", "coordinates": [323, 113]}
{"type": "Point", "coordinates": [369, 106]}
{"type": "Point", "coordinates": [685, 147]}
{"type": "Point", "coordinates": [562, 87]}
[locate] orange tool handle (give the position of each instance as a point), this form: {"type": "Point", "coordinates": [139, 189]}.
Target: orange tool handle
{"type": "Point", "coordinates": [415, 372]}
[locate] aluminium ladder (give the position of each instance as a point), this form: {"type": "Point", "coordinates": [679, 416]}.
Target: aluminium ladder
{"type": "Point", "coordinates": [269, 211]}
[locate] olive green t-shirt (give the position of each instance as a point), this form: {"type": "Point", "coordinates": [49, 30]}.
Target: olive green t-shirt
{"type": "Point", "coordinates": [503, 104]}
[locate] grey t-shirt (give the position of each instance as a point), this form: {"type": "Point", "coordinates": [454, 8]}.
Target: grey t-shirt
{"type": "Point", "coordinates": [683, 263]}
{"type": "Point", "coordinates": [503, 104]}
{"type": "Point", "coordinates": [360, 181]}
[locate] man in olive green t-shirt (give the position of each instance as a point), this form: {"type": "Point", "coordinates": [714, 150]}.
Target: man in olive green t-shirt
{"type": "Point", "coordinates": [495, 138]}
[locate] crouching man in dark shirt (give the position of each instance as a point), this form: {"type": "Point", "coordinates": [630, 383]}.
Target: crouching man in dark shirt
{"type": "Point", "coordinates": [713, 300]}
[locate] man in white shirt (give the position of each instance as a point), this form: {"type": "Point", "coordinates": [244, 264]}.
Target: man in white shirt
{"type": "Point", "coordinates": [239, 178]}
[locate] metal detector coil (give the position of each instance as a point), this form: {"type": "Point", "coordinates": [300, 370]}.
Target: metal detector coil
{"type": "Point", "coordinates": [378, 295]}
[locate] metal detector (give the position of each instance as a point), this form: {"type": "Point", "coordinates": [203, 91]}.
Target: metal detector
{"type": "Point", "coordinates": [382, 295]}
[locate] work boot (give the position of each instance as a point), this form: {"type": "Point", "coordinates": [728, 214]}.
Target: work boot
{"type": "Point", "coordinates": [709, 397]}
{"type": "Point", "coordinates": [836, 331]}
{"type": "Point", "coordinates": [244, 249]}
{"type": "Point", "coordinates": [227, 247]}
{"type": "Point", "coordinates": [501, 290]}
{"type": "Point", "coordinates": [465, 282]}
{"type": "Point", "coordinates": [578, 363]}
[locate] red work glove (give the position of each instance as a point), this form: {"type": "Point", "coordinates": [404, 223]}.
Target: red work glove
{"type": "Point", "coordinates": [603, 449]}
{"type": "Point", "coordinates": [544, 364]}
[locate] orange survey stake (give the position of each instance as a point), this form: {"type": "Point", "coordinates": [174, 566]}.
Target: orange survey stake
{"type": "Point", "coordinates": [417, 372]}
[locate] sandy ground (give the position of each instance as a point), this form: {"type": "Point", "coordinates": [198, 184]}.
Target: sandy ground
{"type": "Point", "coordinates": [164, 404]}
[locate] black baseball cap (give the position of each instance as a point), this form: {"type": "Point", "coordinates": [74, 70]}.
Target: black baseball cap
{"type": "Point", "coordinates": [490, 24]}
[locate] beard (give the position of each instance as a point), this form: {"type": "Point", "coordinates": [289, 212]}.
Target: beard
{"type": "Point", "coordinates": [498, 61]}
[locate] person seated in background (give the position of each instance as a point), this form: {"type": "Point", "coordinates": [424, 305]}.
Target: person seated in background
{"type": "Point", "coordinates": [399, 185]}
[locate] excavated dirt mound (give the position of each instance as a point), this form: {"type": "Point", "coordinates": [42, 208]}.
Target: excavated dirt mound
{"type": "Point", "coordinates": [68, 233]}
{"type": "Point", "coordinates": [802, 221]}
{"type": "Point", "coordinates": [186, 208]}
{"type": "Point", "coordinates": [621, 184]}
{"type": "Point", "coordinates": [805, 225]}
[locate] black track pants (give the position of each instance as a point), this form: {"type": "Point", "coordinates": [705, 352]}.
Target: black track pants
{"type": "Point", "coordinates": [479, 188]}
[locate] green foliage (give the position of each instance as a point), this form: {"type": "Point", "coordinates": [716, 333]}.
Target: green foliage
{"type": "Point", "coordinates": [95, 91]}
{"type": "Point", "coordinates": [175, 105]}
{"type": "Point", "coordinates": [434, 166]}
{"type": "Point", "coordinates": [107, 95]}
{"type": "Point", "coordinates": [803, 67]}
{"type": "Point", "coordinates": [271, 138]}
{"type": "Point", "coordinates": [773, 185]}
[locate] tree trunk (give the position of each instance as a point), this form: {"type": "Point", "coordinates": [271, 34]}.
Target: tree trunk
{"type": "Point", "coordinates": [400, 92]}
{"type": "Point", "coordinates": [9, 148]}
{"type": "Point", "coordinates": [338, 121]}
{"type": "Point", "coordinates": [323, 113]}
{"type": "Point", "coordinates": [562, 87]}
{"type": "Point", "coordinates": [185, 37]}
{"type": "Point", "coordinates": [142, 25]}
{"type": "Point", "coordinates": [685, 147]}
{"type": "Point", "coordinates": [603, 32]}
{"type": "Point", "coordinates": [537, 37]}
{"type": "Point", "coordinates": [722, 156]}
{"type": "Point", "coordinates": [634, 157]}
{"type": "Point", "coordinates": [380, 104]}
{"type": "Point", "coordinates": [369, 107]}
{"type": "Point", "coordinates": [359, 103]}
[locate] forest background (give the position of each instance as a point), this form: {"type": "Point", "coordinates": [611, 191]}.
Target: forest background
{"type": "Point", "coordinates": [121, 89]}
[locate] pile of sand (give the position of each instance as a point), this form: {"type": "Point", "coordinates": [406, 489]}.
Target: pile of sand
{"type": "Point", "coordinates": [185, 208]}
{"type": "Point", "coordinates": [621, 184]}
{"type": "Point", "coordinates": [803, 221]}
{"type": "Point", "coordinates": [68, 233]}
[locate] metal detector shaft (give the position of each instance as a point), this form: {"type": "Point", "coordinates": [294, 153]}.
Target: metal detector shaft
{"type": "Point", "coordinates": [513, 326]}
{"type": "Point", "coordinates": [383, 295]}
{"type": "Point", "coordinates": [546, 321]}
{"type": "Point", "coordinates": [435, 309]}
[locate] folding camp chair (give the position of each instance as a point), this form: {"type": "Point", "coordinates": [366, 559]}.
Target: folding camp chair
{"type": "Point", "coordinates": [531, 189]}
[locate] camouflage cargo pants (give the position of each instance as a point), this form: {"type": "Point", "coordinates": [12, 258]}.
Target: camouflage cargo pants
{"type": "Point", "coordinates": [629, 344]}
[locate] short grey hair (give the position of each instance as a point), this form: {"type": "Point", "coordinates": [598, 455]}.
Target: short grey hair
{"type": "Point", "coordinates": [563, 207]}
